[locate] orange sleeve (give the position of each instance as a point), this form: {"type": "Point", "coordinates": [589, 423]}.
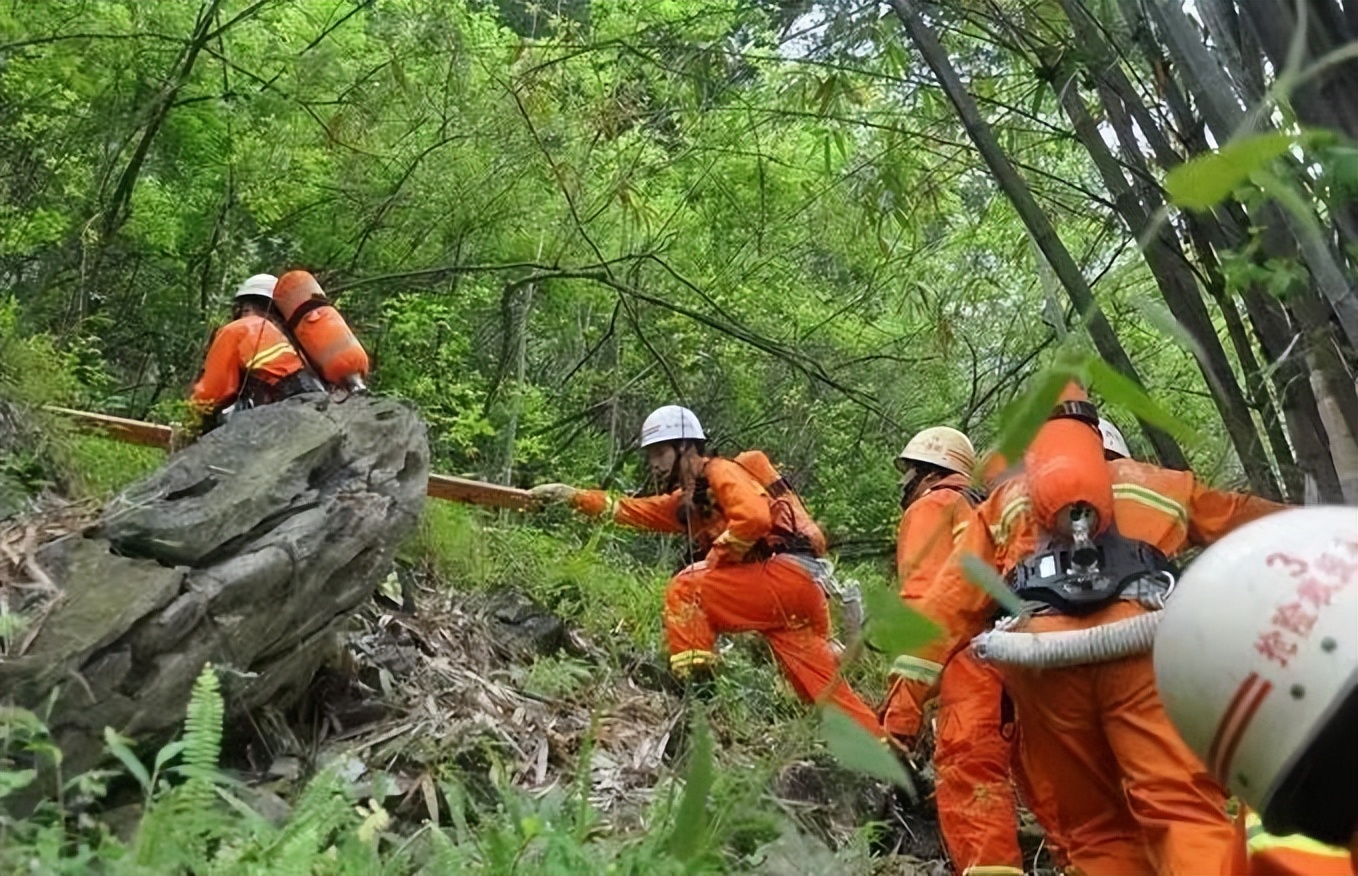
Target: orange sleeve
{"type": "Point", "coordinates": [924, 540]}
{"type": "Point", "coordinates": [1213, 513]}
{"type": "Point", "coordinates": [656, 513]}
{"type": "Point", "coordinates": [744, 506]}
{"type": "Point", "coordinates": [221, 371]}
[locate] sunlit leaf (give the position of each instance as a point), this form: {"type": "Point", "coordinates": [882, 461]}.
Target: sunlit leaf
{"type": "Point", "coordinates": [1023, 416]}
{"type": "Point", "coordinates": [892, 627]}
{"type": "Point", "coordinates": [119, 748]}
{"type": "Point", "coordinates": [857, 749]}
{"type": "Point", "coordinates": [1209, 179]}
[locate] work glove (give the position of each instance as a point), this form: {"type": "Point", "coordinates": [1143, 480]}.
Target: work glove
{"type": "Point", "coordinates": [553, 494]}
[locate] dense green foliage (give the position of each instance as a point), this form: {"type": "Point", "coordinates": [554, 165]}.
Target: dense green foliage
{"type": "Point", "coordinates": [542, 235]}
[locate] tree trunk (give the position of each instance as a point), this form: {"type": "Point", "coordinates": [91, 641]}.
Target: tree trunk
{"type": "Point", "coordinates": [1221, 108]}
{"type": "Point", "coordinates": [1034, 219]}
{"type": "Point", "coordinates": [1261, 400]}
{"type": "Point", "coordinates": [520, 306]}
{"type": "Point", "coordinates": [1330, 99]}
{"type": "Point", "coordinates": [1177, 285]}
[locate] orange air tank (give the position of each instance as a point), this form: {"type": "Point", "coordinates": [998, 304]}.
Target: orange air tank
{"type": "Point", "coordinates": [1066, 470]}
{"type": "Point", "coordinates": [323, 335]}
{"type": "Point", "coordinates": [786, 507]}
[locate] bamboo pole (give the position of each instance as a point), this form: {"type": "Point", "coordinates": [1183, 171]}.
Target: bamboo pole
{"type": "Point", "coordinates": [445, 487]}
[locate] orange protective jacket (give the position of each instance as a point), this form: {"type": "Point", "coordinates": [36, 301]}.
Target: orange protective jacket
{"type": "Point", "coordinates": [930, 528]}
{"type": "Point", "coordinates": [737, 518]}
{"type": "Point", "coordinates": [929, 531]}
{"type": "Point", "coordinates": [1162, 507]}
{"type": "Point", "coordinates": [251, 345]}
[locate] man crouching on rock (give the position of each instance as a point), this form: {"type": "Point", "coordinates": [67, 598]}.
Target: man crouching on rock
{"type": "Point", "coordinates": [759, 567]}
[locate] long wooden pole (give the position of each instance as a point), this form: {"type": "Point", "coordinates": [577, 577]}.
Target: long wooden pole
{"type": "Point", "coordinates": [446, 487]}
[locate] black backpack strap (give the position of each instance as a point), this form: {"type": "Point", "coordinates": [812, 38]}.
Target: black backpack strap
{"type": "Point", "coordinates": [302, 310]}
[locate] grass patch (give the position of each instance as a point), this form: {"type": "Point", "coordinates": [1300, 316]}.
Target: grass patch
{"type": "Point", "coordinates": [103, 466]}
{"type": "Point", "coordinates": [580, 575]}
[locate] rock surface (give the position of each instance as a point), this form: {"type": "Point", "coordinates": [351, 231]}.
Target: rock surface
{"type": "Point", "coordinates": [249, 549]}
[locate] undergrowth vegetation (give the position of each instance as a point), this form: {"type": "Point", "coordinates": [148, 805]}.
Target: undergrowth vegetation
{"type": "Point", "coordinates": [198, 819]}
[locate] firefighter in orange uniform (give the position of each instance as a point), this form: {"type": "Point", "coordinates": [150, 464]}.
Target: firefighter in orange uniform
{"type": "Point", "coordinates": [250, 362]}
{"type": "Point", "coordinates": [972, 756]}
{"type": "Point", "coordinates": [1130, 797]}
{"type": "Point", "coordinates": [760, 568]}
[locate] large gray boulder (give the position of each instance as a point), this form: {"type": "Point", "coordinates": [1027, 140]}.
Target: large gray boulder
{"type": "Point", "coordinates": [249, 549]}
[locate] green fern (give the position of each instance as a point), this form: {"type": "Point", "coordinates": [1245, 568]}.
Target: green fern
{"type": "Point", "coordinates": [203, 726]}
{"type": "Point", "coordinates": [175, 832]}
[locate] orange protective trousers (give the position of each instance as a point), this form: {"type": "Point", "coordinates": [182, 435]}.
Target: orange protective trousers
{"type": "Point", "coordinates": [1138, 802]}
{"type": "Point", "coordinates": [972, 756]}
{"type": "Point", "coordinates": [776, 598]}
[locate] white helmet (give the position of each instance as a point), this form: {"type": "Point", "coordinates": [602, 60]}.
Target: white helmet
{"type": "Point", "coordinates": [260, 286]}
{"type": "Point", "coordinates": [1256, 660]}
{"type": "Point", "coordinates": [671, 423]}
{"type": "Point", "coordinates": [1113, 442]}
{"type": "Point", "coordinates": [940, 446]}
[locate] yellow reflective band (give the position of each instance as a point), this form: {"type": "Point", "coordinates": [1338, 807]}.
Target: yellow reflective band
{"type": "Point", "coordinates": [610, 506]}
{"type": "Point", "coordinates": [958, 530]}
{"type": "Point", "coordinates": [1151, 499]}
{"type": "Point", "coordinates": [916, 668]}
{"type": "Point", "coordinates": [1016, 506]}
{"type": "Point", "coordinates": [685, 659]}
{"type": "Point", "coordinates": [1259, 840]}
{"type": "Point", "coordinates": [266, 356]}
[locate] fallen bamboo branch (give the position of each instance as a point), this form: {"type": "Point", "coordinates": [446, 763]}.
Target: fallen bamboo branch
{"type": "Point", "coordinates": [445, 487]}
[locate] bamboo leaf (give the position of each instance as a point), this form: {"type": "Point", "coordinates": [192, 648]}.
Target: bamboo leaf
{"type": "Point", "coordinates": [1209, 179]}
{"type": "Point", "coordinates": [1023, 416]}
{"type": "Point", "coordinates": [893, 627]}
{"type": "Point", "coordinates": [983, 575]}
{"type": "Point", "coordinates": [857, 749]}
{"type": "Point", "coordinates": [1118, 389]}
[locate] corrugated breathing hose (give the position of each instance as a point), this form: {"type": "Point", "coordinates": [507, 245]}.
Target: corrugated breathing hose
{"type": "Point", "coordinates": [1111, 641]}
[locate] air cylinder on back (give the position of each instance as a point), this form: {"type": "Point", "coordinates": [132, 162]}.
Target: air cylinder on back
{"type": "Point", "coordinates": [320, 330]}
{"type": "Point", "coordinates": [1068, 478]}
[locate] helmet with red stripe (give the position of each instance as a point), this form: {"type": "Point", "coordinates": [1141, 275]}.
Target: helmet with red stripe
{"type": "Point", "coordinates": [1256, 660]}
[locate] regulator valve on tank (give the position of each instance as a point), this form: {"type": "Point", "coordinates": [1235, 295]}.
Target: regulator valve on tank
{"type": "Point", "coordinates": [1080, 521]}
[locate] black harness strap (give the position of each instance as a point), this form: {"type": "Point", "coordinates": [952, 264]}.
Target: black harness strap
{"type": "Point", "coordinates": [302, 310]}
{"type": "Point", "coordinates": [1052, 577]}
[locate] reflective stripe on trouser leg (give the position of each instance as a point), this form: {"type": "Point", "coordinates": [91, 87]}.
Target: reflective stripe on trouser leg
{"type": "Point", "coordinates": [684, 662]}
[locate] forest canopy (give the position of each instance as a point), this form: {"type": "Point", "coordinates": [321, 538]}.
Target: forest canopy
{"type": "Point", "coordinates": [546, 219]}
